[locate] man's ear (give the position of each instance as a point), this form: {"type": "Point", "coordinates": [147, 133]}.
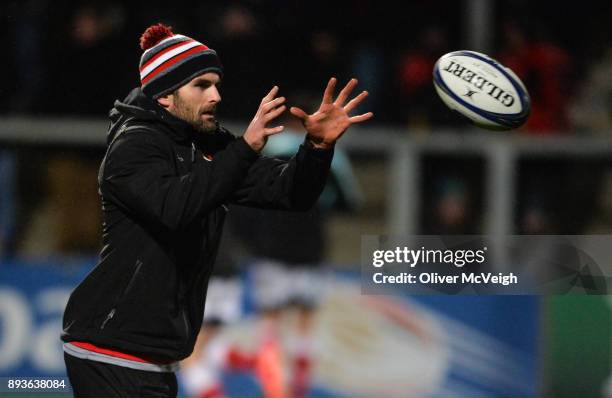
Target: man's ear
{"type": "Point", "coordinates": [165, 100]}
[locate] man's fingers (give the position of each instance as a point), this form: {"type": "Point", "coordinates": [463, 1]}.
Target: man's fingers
{"type": "Point", "coordinates": [270, 95]}
{"type": "Point", "coordinates": [361, 118]}
{"type": "Point", "coordinates": [328, 95]}
{"type": "Point", "coordinates": [267, 107]}
{"type": "Point", "coordinates": [346, 91]}
{"type": "Point", "coordinates": [354, 103]}
{"type": "Point", "coordinates": [299, 113]}
{"type": "Point", "coordinates": [274, 114]}
{"type": "Point", "coordinates": [273, 130]}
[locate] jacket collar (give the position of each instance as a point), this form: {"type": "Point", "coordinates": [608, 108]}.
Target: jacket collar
{"type": "Point", "coordinates": [139, 106]}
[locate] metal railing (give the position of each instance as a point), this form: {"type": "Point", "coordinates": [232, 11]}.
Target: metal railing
{"type": "Point", "coordinates": [403, 150]}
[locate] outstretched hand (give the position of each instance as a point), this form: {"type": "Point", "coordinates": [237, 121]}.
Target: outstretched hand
{"type": "Point", "coordinates": [331, 120]}
{"type": "Point", "coordinates": [270, 107]}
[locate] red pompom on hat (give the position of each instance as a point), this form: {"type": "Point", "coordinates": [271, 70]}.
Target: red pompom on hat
{"type": "Point", "coordinates": [171, 60]}
{"type": "Point", "coordinates": [154, 34]}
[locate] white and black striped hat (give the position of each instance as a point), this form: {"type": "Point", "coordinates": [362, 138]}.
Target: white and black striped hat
{"type": "Point", "coordinates": [171, 60]}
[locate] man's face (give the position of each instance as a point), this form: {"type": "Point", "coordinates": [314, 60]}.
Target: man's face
{"type": "Point", "coordinates": [196, 102]}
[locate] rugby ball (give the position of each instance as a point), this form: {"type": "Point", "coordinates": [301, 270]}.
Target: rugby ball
{"type": "Point", "coordinates": [481, 89]}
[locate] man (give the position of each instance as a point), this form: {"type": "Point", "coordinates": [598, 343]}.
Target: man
{"type": "Point", "coordinates": [168, 174]}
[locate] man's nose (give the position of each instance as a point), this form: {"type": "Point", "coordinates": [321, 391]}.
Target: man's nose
{"type": "Point", "coordinates": [215, 95]}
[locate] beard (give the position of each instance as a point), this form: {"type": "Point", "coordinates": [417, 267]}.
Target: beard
{"type": "Point", "coordinates": [194, 116]}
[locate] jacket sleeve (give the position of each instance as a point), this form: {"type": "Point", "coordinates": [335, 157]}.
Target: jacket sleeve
{"type": "Point", "coordinates": [139, 176]}
{"type": "Point", "coordinates": [289, 185]}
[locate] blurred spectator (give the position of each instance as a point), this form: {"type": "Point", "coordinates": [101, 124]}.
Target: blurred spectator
{"type": "Point", "coordinates": [452, 206]}
{"type": "Point", "coordinates": [540, 182]}
{"type": "Point", "coordinates": [548, 203]}
{"type": "Point", "coordinates": [420, 107]}
{"type": "Point", "coordinates": [536, 220]}
{"type": "Point", "coordinates": [452, 212]}
{"type": "Point", "coordinates": [545, 68]}
{"type": "Point", "coordinates": [324, 58]}
{"type": "Point", "coordinates": [92, 65]}
{"type": "Point", "coordinates": [592, 109]}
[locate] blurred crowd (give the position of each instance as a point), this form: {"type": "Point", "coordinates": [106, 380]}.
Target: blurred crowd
{"type": "Point", "coordinates": [74, 58]}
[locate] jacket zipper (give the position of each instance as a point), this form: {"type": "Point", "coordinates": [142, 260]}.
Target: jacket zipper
{"type": "Point", "coordinates": [133, 278]}
{"type": "Point", "coordinates": [110, 316]}
{"type": "Point", "coordinates": [193, 152]}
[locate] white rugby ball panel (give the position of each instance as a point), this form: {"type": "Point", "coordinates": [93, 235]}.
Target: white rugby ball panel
{"type": "Point", "coordinates": [473, 116]}
{"type": "Point", "coordinates": [479, 118]}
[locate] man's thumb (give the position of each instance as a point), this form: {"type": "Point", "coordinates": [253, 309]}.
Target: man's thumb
{"type": "Point", "coordinates": [297, 112]}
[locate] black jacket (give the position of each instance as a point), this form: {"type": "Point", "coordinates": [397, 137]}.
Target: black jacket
{"type": "Point", "coordinates": [163, 205]}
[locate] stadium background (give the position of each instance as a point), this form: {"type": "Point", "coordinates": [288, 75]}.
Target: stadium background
{"type": "Point", "coordinates": [419, 168]}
